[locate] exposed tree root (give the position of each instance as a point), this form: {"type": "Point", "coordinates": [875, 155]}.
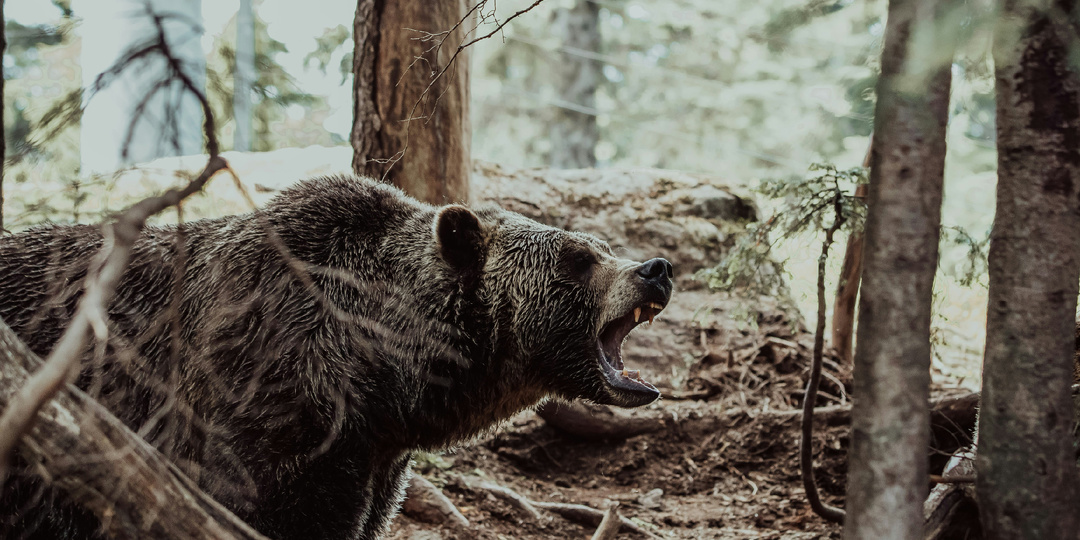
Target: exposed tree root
{"type": "Point", "coordinates": [425, 502]}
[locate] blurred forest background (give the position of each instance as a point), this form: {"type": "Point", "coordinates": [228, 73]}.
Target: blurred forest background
{"type": "Point", "coordinates": [738, 91]}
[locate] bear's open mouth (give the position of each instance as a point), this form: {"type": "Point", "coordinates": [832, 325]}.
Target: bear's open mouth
{"type": "Point", "coordinates": [628, 381]}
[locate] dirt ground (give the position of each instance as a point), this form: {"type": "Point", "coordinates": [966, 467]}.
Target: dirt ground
{"type": "Point", "coordinates": [722, 466]}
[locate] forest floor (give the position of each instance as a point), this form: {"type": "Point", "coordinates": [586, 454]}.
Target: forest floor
{"type": "Point", "coordinates": [722, 467]}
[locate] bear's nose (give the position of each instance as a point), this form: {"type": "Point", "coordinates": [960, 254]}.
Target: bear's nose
{"type": "Point", "coordinates": [657, 268]}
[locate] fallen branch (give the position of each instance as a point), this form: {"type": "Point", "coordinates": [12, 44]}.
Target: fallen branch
{"type": "Point", "coordinates": [106, 268]}
{"type": "Point", "coordinates": [156, 499]}
{"type": "Point", "coordinates": [609, 525]}
{"type": "Point", "coordinates": [587, 515]}
{"type": "Point", "coordinates": [578, 513]}
{"type": "Point", "coordinates": [63, 361]}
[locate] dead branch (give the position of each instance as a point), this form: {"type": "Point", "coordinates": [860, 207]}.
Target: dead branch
{"type": "Point", "coordinates": [609, 525]}
{"type": "Point", "coordinates": [105, 273]}
{"type": "Point", "coordinates": [425, 502]}
{"type": "Point", "coordinates": [71, 426]}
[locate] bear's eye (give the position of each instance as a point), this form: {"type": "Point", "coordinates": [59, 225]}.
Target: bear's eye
{"type": "Point", "coordinates": [580, 263]}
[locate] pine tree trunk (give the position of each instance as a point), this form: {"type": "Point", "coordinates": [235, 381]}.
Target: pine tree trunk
{"type": "Point", "coordinates": [887, 480]}
{"type": "Point", "coordinates": [574, 134]}
{"type": "Point", "coordinates": [397, 76]}
{"type": "Point", "coordinates": [1027, 477]}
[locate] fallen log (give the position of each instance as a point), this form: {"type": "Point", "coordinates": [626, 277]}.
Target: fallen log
{"type": "Point", "coordinates": [952, 419]}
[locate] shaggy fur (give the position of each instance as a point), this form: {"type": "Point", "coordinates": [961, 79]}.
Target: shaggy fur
{"type": "Point", "coordinates": [291, 361]}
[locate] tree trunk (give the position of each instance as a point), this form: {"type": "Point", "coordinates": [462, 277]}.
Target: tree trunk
{"type": "Point", "coordinates": [410, 118]}
{"type": "Point", "coordinates": [244, 77]}
{"type": "Point", "coordinates": [573, 133]}
{"type": "Point", "coordinates": [847, 292]}
{"type": "Point", "coordinates": [136, 494]}
{"type": "Point", "coordinates": [1027, 477]}
{"type": "Point", "coordinates": [3, 139]}
{"type": "Point", "coordinates": [887, 481]}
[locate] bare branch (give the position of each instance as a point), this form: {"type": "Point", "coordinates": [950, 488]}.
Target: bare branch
{"type": "Point", "coordinates": [108, 266]}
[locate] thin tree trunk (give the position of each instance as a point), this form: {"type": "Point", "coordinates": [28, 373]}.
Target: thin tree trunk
{"type": "Point", "coordinates": [574, 134]}
{"type": "Point", "coordinates": [243, 77]}
{"type": "Point", "coordinates": [1027, 478]}
{"type": "Point", "coordinates": [136, 492]}
{"type": "Point", "coordinates": [887, 480]}
{"type": "Point", "coordinates": [3, 138]}
{"type": "Point", "coordinates": [847, 292]}
{"type": "Point", "coordinates": [410, 118]}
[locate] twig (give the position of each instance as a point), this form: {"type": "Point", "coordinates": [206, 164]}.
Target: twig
{"type": "Point", "coordinates": [610, 525]}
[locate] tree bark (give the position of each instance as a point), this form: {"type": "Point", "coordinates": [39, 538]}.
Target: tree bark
{"type": "Point", "coordinates": [887, 481]}
{"type": "Point", "coordinates": [136, 493]}
{"type": "Point", "coordinates": [1027, 477]}
{"type": "Point", "coordinates": [574, 134]}
{"type": "Point", "coordinates": [410, 117]}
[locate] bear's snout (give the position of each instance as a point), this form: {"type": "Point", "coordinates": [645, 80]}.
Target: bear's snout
{"type": "Point", "coordinates": [657, 273]}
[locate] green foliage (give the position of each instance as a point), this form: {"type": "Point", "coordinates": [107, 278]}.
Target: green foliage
{"type": "Point", "coordinates": [973, 268]}
{"type": "Point", "coordinates": [810, 203]}
{"type": "Point", "coordinates": [332, 40]}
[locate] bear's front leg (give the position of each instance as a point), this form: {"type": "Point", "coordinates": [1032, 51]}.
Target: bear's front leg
{"type": "Point", "coordinates": [387, 492]}
{"type": "Point", "coordinates": [330, 500]}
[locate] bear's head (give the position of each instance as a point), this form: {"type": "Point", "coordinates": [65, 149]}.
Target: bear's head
{"type": "Point", "coordinates": [561, 303]}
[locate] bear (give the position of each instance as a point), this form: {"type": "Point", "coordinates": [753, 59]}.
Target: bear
{"type": "Point", "coordinates": [291, 360]}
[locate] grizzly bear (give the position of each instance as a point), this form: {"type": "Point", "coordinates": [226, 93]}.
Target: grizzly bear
{"type": "Point", "coordinates": [293, 359]}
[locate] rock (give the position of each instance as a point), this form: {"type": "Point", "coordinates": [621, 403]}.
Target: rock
{"type": "Point", "coordinates": [651, 500]}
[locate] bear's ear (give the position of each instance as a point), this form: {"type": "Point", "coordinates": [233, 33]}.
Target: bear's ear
{"type": "Point", "coordinates": [460, 239]}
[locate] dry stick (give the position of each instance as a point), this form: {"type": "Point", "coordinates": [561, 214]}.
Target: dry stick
{"type": "Point", "coordinates": [806, 458]}
{"type": "Point", "coordinates": [609, 526]}
{"type": "Point", "coordinates": [120, 236]}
